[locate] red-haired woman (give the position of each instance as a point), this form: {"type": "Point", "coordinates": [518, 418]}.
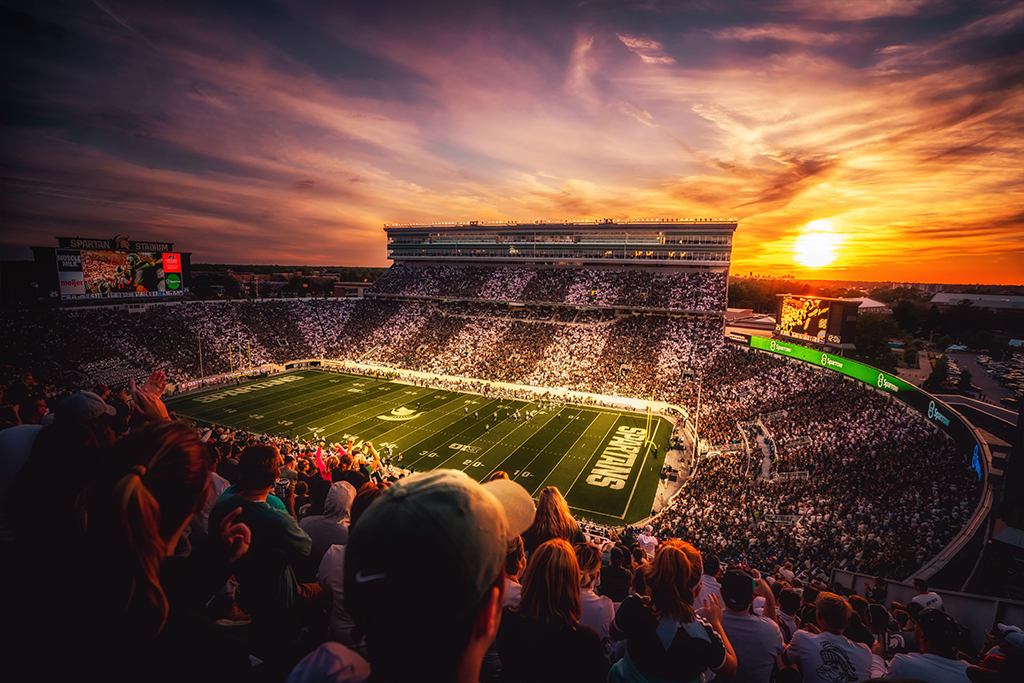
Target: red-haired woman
{"type": "Point", "coordinates": [665, 640]}
{"type": "Point", "coordinates": [541, 639]}
{"type": "Point", "coordinates": [133, 610]}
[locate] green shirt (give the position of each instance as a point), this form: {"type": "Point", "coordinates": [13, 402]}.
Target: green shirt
{"type": "Point", "coordinates": [265, 573]}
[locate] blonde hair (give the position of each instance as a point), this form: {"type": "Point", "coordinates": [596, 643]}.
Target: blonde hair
{"type": "Point", "coordinates": [149, 504]}
{"type": "Point", "coordinates": [553, 520]}
{"type": "Point", "coordinates": [672, 578]}
{"type": "Point", "coordinates": [551, 593]}
{"type": "Point", "coordinates": [834, 610]}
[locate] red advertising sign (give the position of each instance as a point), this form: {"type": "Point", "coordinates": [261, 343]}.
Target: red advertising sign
{"type": "Point", "coordinates": [172, 263]}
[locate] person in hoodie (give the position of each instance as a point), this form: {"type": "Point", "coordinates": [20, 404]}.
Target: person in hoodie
{"type": "Point", "coordinates": [330, 528]}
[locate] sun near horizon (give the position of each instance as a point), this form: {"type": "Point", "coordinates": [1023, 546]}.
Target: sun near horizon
{"type": "Point", "coordinates": [817, 245]}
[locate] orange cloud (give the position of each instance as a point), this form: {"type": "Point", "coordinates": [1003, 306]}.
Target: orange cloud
{"type": "Point", "coordinates": [240, 146]}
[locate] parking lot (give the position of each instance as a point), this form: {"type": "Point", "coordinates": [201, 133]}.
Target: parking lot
{"type": "Point", "coordinates": [997, 381]}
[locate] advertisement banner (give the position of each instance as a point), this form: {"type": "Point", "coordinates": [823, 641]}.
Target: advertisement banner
{"type": "Point", "coordinates": [69, 272]}
{"type": "Point", "coordinates": [937, 413]}
{"type": "Point", "coordinates": [172, 272]}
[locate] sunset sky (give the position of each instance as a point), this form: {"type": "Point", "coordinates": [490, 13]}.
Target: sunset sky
{"type": "Point", "coordinates": [889, 131]}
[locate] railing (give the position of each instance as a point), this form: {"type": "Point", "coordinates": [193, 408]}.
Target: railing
{"type": "Point", "coordinates": [968, 439]}
{"type": "Point", "coordinates": [976, 612]}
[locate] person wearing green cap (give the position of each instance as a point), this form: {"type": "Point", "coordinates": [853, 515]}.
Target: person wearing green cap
{"type": "Point", "coordinates": [424, 580]}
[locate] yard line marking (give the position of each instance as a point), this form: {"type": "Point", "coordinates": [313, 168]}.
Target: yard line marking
{"type": "Point", "coordinates": [521, 446]}
{"type": "Point", "coordinates": [501, 442]}
{"type": "Point", "coordinates": [639, 470]}
{"type": "Point", "coordinates": [584, 468]}
{"type": "Point", "coordinates": [582, 434]}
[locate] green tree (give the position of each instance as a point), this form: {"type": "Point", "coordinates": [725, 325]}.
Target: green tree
{"type": "Point", "coordinates": [910, 315]}
{"type": "Point", "coordinates": [932, 321]}
{"type": "Point", "coordinates": [910, 357]}
{"type": "Point", "coordinates": [943, 342]}
{"type": "Point", "coordinates": [940, 372]}
{"type": "Point", "coordinates": [874, 330]}
{"type": "Point", "coordinates": [965, 380]}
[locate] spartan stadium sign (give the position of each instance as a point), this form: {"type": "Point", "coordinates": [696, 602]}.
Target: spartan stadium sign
{"type": "Point", "coordinates": [617, 459]}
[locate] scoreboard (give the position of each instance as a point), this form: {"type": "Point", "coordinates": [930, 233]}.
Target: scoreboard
{"type": "Point", "coordinates": [122, 271]}
{"type": "Point", "coordinates": [816, 320]}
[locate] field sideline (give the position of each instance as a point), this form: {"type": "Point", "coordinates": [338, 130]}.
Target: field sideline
{"type": "Point", "coordinates": [433, 428]}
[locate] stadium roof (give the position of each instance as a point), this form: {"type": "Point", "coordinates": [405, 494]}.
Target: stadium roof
{"type": "Point", "coordinates": [869, 305]}
{"type": "Point", "coordinates": [996, 301]}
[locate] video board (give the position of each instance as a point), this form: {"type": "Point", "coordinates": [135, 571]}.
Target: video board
{"type": "Point", "coordinates": [804, 318]}
{"type": "Point", "coordinates": [108, 274]}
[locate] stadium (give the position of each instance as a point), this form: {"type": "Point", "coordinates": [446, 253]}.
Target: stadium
{"type": "Point", "coordinates": [589, 356]}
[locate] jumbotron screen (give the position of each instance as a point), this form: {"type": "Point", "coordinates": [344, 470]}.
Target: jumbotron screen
{"type": "Point", "coordinates": [804, 318]}
{"type": "Point", "coordinates": [95, 274]}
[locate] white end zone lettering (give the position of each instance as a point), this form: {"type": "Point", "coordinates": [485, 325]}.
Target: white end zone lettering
{"type": "Point", "coordinates": [210, 398]}
{"type": "Point", "coordinates": [614, 466]}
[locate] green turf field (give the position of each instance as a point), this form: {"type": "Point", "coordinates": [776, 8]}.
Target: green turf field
{"type": "Point", "coordinates": [600, 459]}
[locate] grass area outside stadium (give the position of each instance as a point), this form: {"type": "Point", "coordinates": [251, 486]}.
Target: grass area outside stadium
{"type": "Point", "coordinates": [602, 460]}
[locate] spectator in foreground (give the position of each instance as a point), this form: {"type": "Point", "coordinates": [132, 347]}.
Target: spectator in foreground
{"type": "Point", "coordinates": [331, 577]}
{"type": "Point", "coordinates": [615, 578]}
{"type": "Point", "coordinates": [789, 603]}
{"type": "Point", "coordinates": [647, 541]}
{"type": "Point", "coordinates": [330, 528]}
{"type": "Point", "coordinates": [829, 656]}
{"type": "Point", "coordinates": [597, 611]}
{"type": "Point", "coordinates": [424, 580]}
{"type": "Point", "coordinates": [664, 638]}
{"type": "Point", "coordinates": [269, 589]}
{"type": "Point", "coordinates": [127, 598]}
{"type": "Point", "coordinates": [542, 638]}
{"type": "Point", "coordinates": [709, 579]}
{"type": "Point", "coordinates": [937, 635]}
{"type": "Point", "coordinates": [756, 639]}
{"type": "Point", "coordinates": [925, 598]}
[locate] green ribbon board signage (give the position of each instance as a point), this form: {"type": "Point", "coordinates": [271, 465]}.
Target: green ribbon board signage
{"type": "Point", "coordinates": [937, 412]}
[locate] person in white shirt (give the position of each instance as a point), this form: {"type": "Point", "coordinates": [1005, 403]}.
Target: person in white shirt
{"type": "Point", "coordinates": [937, 634]}
{"type": "Point", "coordinates": [789, 603]}
{"type": "Point", "coordinates": [829, 656]}
{"type": "Point", "coordinates": [926, 598]}
{"type": "Point", "coordinates": [648, 542]}
{"type": "Point", "coordinates": [598, 611]}
{"type": "Point", "coordinates": [757, 640]}
{"type": "Point", "coordinates": [708, 581]}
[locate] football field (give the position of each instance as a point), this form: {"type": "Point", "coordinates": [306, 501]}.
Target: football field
{"type": "Point", "coordinates": [602, 460]}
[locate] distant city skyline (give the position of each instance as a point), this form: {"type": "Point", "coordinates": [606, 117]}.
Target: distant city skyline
{"type": "Point", "coordinates": [870, 140]}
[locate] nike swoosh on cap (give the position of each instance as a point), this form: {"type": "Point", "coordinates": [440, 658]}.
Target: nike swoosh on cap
{"type": "Point", "coordinates": [364, 578]}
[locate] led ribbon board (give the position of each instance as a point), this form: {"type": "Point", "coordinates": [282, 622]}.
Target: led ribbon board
{"type": "Point", "coordinates": [937, 413]}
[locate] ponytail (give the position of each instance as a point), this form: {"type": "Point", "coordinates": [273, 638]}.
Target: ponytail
{"type": "Point", "coordinates": [147, 507]}
{"type": "Point", "coordinates": [139, 516]}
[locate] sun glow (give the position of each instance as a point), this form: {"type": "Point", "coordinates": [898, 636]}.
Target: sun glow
{"type": "Point", "coordinates": [816, 245]}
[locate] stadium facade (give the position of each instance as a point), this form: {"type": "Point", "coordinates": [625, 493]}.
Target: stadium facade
{"type": "Point", "coordinates": [704, 243]}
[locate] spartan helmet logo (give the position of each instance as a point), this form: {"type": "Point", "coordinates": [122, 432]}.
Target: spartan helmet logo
{"type": "Point", "coordinates": [835, 664]}
{"type": "Point", "coordinates": [121, 242]}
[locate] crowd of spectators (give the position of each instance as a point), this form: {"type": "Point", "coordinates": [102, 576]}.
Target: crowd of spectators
{"type": "Point", "coordinates": [634, 288]}
{"type": "Point", "coordinates": [883, 493]}
{"type": "Point", "coordinates": [218, 554]}
{"type": "Point", "coordinates": [177, 530]}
